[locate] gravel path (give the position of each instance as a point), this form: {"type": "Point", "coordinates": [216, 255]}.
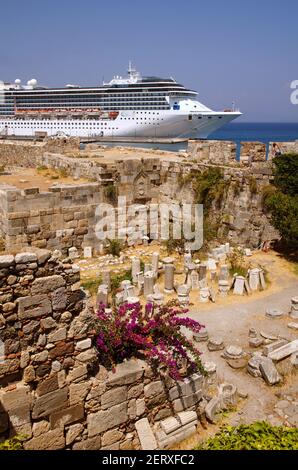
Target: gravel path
{"type": "Point", "coordinates": [232, 322]}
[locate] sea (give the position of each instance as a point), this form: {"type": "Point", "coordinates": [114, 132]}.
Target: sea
{"type": "Point", "coordinates": [237, 132]}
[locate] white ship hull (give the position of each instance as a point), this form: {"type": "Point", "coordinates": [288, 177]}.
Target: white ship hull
{"type": "Point", "coordinates": [128, 124]}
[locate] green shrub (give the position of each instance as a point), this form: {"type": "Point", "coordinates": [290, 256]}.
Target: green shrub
{"type": "Point", "coordinates": [111, 193]}
{"type": "Point", "coordinates": [62, 173]}
{"type": "Point", "coordinates": [256, 436]}
{"type": "Point", "coordinates": [286, 173]}
{"type": "Point", "coordinates": [116, 279]}
{"type": "Point", "coordinates": [172, 245]}
{"type": "Point", "coordinates": [114, 247]}
{"type": "Point", "coordinates": [284, 216]}
{"type": "Point", "coordinates": [2, 244]}
{"type": "Point", "coordinates": [209, 187]}
{"type": "Point", "coordinates": [91, 284]}
{"type": "Point", "coordinates": [267, 191]}
{"type": "Point", "coordinates": [41, 168]}
{"type": "Point", "coordinates": [252, 182]}
{"type": "Point", "coordinates": [237, 263]}
{"type": "Point", "coordinates": [237, 187]}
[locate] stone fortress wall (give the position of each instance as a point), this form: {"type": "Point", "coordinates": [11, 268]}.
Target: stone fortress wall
{"type": "Point", "coordinates": [65, 215]}
{"type": "Point", "coordinates": [60, 218]}
{"type": "Point", "coordinates": [53, 390]}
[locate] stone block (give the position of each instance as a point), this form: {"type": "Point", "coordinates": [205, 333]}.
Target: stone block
{"type": "Point", "coordinates": [6, 261]}
{"type": "Point", "coordinates": [73, 432]}
{"type": "Point", "coordinates": [42, 255]}
{"type": "Point", "coordinates": [88, 444]}
{"type": "Point", "coordinates": [127, 444]}
{"type": "Point", "coordinates": [269, 372]}
{"type": "Point", "coordinates": [127, 372]}
{"type": "Point", "coordinates": [170, 424]}
{"type": "Point", "coordinates": [48, 385]}
{"type": "Point", "coordinates": [189, 385]}
{"type": "Point", "coordinates": [135, 391]}
{"type": "Point", "coordinates": [59, 299]}
{"type": "Point", "coordinates": [145, 435]}
{"type": "Point", "coordinates": [67, 416]}
{"type": "Point", "coordinates": [84, 344]}
{"type": "Point", "coordinates": [78, 392]}
{"type": "Point", "coordinates": [88, 356]}
{"type": "Point", "coordinates": [48, 323]}
{"type": "Point", "coordinates": [110, 437]}
{"type": "Point", "coordinates": [104, 420]}
{"type": "Point", "coordinates": [20, 415]}
{"type": "Point", "coordinates": [186, 417]}
{"type": "Point", "coordinates": [40, 428]}
{"type": "Point", "coordinates": [11, 400]}
{"type": "Point", "coordinates": [191, 400]}
{"type": "Point", "coordinates": [51, 440]}
{"type": "Point", "coordinates": [57, 335]}
{"type": "Point", "coordinates": [153, 389]}
{"type": "Point", "coordinates": [47, 284]}
{"type": "Point", "coordinates": [33, 307]}
{"type": "Point", "coordinates": [178, 405]}
{"type": "Point", "coordinates": [29, 374]}
{"type": "Point", "coordinates": [177, 436]}
{"type": "Point", "coordinates": [88, 252]}
{"type": "Point", "coordinates": [61, 349]}
{"type": "Point", "coordinates": [228, 395]}
{"type": "Point", "coordinates": [97, 391]}
{"type": "Point", "coordinates": [32, 229]}
{"type": "Point", "coordinates": [113, 397]}
{"type": "Point", "coordinates": [40, 357]}
{"type": "Point", "coordinates": [174, 393]}
{"type": "Point", "coordinates": [50, 402]}
{"type": "Point", "coordinates": [77, 374]}
{"type": "Point", "coordinates": [132, 411]}
{"type": "Point", "coordinates": [272, 346]}
{"type": "Point", "coordinates": [140, 406]}
{"type": "Point", "coordinates": [24, 258]}
{"type": "Point", "coordinates": [284, 351]}
{"type": "Point", "coordinates": [212, 408]}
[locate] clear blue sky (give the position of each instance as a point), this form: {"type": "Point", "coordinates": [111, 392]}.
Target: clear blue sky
{"type": "Point", "coordinates": [227, 50]}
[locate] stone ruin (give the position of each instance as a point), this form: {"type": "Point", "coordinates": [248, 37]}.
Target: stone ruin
{"type": "Point", "coordinates": [54, 390]}
{"type": "Point", "coordinates": [208, 280]}
{"type": "Point", "coordinates": [64, 216]}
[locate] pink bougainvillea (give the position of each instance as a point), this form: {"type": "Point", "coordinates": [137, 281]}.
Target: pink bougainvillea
{"type": "Point", "coordinates": [153, 333]}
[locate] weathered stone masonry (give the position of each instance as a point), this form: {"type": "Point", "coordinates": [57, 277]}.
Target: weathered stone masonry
{"type": "Point", "coordinates": [53, 390]}
{"type": "Point", "coordinates": [60, 218]}
{"type": "Point", "coordinates": [65, 215]}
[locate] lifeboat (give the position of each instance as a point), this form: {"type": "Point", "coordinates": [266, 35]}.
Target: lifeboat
{"type": "Point", "coordinates": [113, 114]}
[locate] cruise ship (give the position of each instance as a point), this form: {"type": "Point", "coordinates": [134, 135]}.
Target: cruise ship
{"type": "Point", "coordinates": [129, 107]}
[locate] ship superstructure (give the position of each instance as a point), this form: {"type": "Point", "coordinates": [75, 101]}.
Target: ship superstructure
{"type": "Point", "coordinates": [133, 106]}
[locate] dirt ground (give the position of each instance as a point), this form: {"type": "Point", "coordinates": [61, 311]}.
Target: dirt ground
{"type": "Point", "coordinates": [24, 178]}
{"type": "Point", "coordinates": [111, 154]}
